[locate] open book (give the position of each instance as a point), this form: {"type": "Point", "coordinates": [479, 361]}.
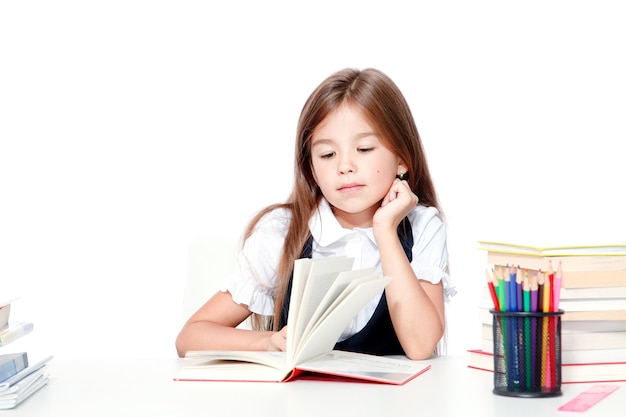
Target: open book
{"type": "Point", "coordinates": [326, 294]}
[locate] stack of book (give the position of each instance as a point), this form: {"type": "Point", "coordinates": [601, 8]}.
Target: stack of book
{"type": "Point", "coordinates": [19, 377]}
{"type": "Point", "coordinates": [592, 297]}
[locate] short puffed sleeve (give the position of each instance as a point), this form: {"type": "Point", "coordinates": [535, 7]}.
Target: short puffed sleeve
{"type": "Point", "coordinates": [253, 283]}
{"type": "Point", "coordinates": [430, 250]}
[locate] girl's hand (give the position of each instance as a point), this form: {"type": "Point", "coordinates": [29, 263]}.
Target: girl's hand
{"type": "Point", "coordinates": [398, 202]}
{"type": "Point", "coordinates": [278, 341]}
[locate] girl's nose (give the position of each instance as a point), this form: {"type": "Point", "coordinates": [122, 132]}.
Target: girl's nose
{"type": "Point", "coordinates": [346, 166]}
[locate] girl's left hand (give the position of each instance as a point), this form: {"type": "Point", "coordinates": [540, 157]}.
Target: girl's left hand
{"type": "Point", "coordinates": [398, 202]}
{"type": "Point", "coordinates": [278, 340]}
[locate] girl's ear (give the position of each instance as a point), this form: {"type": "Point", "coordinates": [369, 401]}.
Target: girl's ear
{"type": "Point", "coordinates": [403, 169]}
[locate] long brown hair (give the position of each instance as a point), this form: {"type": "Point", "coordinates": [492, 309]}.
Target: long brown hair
{"type": "Point", "coordinates": [387, 112]}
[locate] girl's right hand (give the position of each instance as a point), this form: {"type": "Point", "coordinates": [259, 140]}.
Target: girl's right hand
{"type": "Point", "coordinates": [396, 204]}
{"type": "Point", "coordinates": [278, 341]}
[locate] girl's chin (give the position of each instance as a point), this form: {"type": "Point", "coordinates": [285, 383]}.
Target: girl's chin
{"type": "Point", "coordinates": [354, 216]}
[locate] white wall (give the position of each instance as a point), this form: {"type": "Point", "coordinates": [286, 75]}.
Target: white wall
{"type": "Point", "coordinates": [129, 127]}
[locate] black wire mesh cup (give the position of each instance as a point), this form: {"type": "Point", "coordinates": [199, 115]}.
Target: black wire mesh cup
{"type": "Point", "coordinates": [527, 353]}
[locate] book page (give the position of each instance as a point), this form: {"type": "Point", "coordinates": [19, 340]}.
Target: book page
{"type": "Point", "coordinates": [325, 335]}
{"type": "Point", "coordinates": [366, 367]}
{"type": "Point", "coordinates": [200, 369]}
{"type": "Point", "coordinates": [301, 270]}
{"type": "Point", "coordinates": [344, 282]}
{"type": "Point", "coordinates": [276, 360]}
{"type": "Point", "coordinates": [322, 274]}
{"type": "Point", "coordinates": [347, 291]}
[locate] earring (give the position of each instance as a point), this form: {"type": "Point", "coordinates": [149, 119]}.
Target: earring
{"type": "Point", "coordinates": [401, 175]}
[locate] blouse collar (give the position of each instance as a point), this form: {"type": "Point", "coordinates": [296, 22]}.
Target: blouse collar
{"type": "Point", "coordinates": [325, 227]}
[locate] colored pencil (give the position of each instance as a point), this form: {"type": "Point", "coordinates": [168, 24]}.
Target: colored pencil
{"type": "Point", "coordinates": [540, 282]}
{"type": "Point", "coordinates": [556, 291]}
{"type": "Point", "coordinates": [534, 294]}
{"type": "Point", "coordinates": [515, 355]}
{"type": "Point", "coordinates": [534, 289]}
{"type": "Point", "coordinates": [551, 284]}
{"type": "Point", "coordinates": [549, 307]}
{"type": "Point", "coordinates": [507, 292]}
{"type": "Point", "coordinates": [501, 287]}
{"type": "Point", "coordinates": [527, 336]}
{"type": "Point", "coordinates": [519, 279]}
{"type": "Point", "coordinates": [536, 380]}
{"type": "Point", "coordinates": [545, 357]}
{"type": "Point", "coordinates": [547, 291]}
{"type": "Point", "coordinates": [492, 290]}
{"type": "Point", "coordinates": [512, 288]}
{"type": "Point", "coordinates": [526, 292]}
{"type": "Point", "coordinates": [503, 279]}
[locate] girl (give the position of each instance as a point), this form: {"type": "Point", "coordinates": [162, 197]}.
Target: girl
{"type": "Point", "coordinates": [362, 189]}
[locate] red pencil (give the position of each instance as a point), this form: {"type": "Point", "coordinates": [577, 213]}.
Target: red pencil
{"type": "Point", "coordinates": [556, 290]}
{"type": "Point", "coordinates": [492, 290]}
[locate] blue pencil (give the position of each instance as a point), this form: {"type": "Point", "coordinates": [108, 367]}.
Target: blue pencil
{"type": "Point", "coordinates": [519, 278]}
{"type": "Point", "coordinates": [507, 292]}
{"type": "Point", "coordinates": [512, 289]}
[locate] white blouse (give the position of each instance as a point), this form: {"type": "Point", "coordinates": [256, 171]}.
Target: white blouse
{"type": "Point", "coordinates": [253, 281]}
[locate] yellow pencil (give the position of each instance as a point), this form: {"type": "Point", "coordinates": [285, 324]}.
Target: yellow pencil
{"type": "Point", "coordinates": [546, 295]}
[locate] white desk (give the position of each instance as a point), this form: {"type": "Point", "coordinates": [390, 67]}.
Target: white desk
{"type": "Point", "coordinates": [145, 387]}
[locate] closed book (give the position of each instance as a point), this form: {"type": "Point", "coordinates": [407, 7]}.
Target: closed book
{"type": "Point", "coordinates": [575, 340]}
{"type": "Point", "coordinates": [615, 248]}
{"type": "Point", "coordinates": [578, 271]}
{"type": "Point", "coordinates": [577, 356]}
{"type": "Point", "coordinates": [11, 364]}
{"type": "Point", "coordinates": [5, 313]}
{"type": "Point", "coordinates": [581, 293]}
{"type": "Point", "coordinates": [583, 266]}
{"type": "Point", "coordinates": [5, 310]}
{"type": "Point", "coordinates": [591, 304]}
{"type": "Point", "coordinates": [571, 305]}
{"type": "Point", "coordinates": [598, 293]}
{"type": "Point", "coordinates": [599, 315]}
{"type": "Point", "coordinates": [582, 263]}
{"type": "Point", "coordinates": [14, 331]}
{"type": "Point", "coordinates": [16, 382]}
{"type": "Point", "coordinates": [570, 373]}
{"type": "Point", "coordinates": [617, 316]}
{"type": "Point", "coordinates": [19, 391]}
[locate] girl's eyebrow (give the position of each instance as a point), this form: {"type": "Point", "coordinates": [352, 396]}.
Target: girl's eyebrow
{"type": "Point", "coordinates": [365, 134]}
{"type": "Point", "coordinates": [320, 141]}
{"type": "Point", "coordinates": [362, 135]}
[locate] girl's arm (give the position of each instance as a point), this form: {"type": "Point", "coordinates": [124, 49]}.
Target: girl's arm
{"type": "Point", "coordinates": [213, 327]}
{"type": "Point", "coordinates": [416, 307]}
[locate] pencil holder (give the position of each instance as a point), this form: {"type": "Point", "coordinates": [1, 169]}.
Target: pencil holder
{"type": "Point", "coordinates": [527, 353]}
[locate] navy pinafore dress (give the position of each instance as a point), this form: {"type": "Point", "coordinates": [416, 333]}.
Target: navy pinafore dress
{"type": "Point", "coordinates": [378, 337]}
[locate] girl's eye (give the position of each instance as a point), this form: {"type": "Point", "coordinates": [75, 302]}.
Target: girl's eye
{"type": "Point", "coordinates": [366, 149]}
{"type": "Point", "coordinates": [327, 155]}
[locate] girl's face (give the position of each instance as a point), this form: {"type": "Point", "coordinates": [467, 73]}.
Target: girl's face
{"type": "Point", "coordinates": [352, 167]}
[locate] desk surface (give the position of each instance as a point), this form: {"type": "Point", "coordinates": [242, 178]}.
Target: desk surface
{"type": "Point", "coordinates": [144, 387]}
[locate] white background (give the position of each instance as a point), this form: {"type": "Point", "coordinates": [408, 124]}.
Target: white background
{"type": "Point", "coordinates": [129, 127]}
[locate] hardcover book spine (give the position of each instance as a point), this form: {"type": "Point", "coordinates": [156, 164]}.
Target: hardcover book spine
{"type": "Point", "coordinates": [14, 332]}
{"type": "Point", "coordinates": [11, 364]}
